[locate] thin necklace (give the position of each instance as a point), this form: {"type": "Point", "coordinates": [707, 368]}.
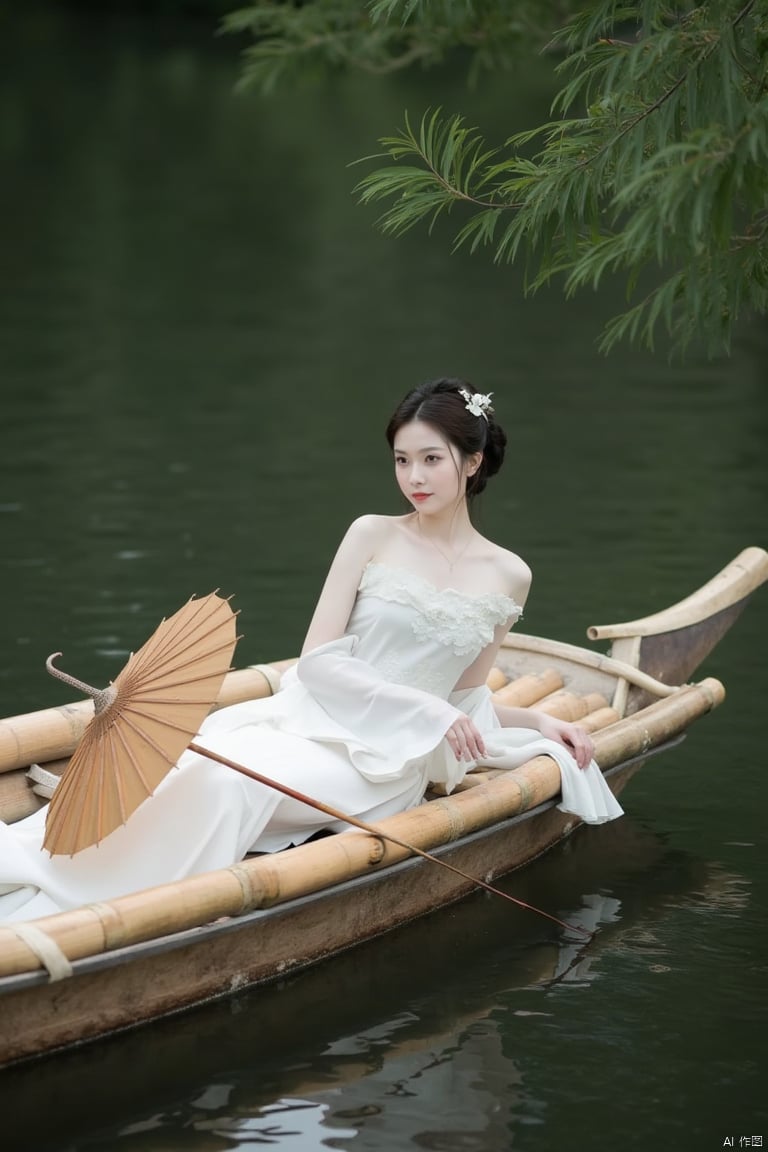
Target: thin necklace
{"type": "Point", "coordinates": [448, 561]}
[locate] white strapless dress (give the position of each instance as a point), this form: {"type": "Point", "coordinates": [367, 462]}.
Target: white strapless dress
{"type": "Point", "coordinates": [358, 723]}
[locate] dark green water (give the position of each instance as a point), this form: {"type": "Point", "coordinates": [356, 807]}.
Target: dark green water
{"type": "Point", "coordinates": [201, 339]}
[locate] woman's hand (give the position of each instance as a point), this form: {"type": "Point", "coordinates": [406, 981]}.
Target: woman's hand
{"type": "Point", "coordinates": [465, 739]}
{"type": "Point", "coordinates": [574, 739]}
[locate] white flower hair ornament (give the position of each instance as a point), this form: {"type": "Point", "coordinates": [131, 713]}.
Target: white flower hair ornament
{"type": "Point", "coordinates": [477, 403]}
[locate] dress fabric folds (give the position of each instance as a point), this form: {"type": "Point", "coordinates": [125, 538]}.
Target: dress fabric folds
{"type": "Point", "coordinates": [358, 723]}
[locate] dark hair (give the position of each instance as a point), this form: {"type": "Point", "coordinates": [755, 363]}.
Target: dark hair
{"type": "Point", "coordinates": [439, 402]}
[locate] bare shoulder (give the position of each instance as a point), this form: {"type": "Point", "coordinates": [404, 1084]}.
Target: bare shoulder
{"type": "Point", "coordinates": [368, 536]}
{"type": "Point", "coordinates": [371, 530]}
{"type": "Point", "coordinates": [517, 574]}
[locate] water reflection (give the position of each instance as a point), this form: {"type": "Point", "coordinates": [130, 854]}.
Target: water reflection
{"type": "Point", "coordinates": [292, 1125]}
{"type": "Point", "coordinates": [427, 1038]}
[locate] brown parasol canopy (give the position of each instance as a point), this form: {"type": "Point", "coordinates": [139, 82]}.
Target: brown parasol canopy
{"type": "Point", "coordinates": [143, 722]}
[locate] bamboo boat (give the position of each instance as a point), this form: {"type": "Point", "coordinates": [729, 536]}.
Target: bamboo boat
{"type": "Point", "coordinates": [87, 973]}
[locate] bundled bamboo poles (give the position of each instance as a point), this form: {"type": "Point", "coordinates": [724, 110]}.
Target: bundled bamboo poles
{"type": "Point", "coordinates": [264, 881]}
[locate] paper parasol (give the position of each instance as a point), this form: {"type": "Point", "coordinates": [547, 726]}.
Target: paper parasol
{"type": "Point", "coordinates": [143, 722]}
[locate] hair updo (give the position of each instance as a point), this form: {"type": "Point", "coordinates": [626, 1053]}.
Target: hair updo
{"type": "Point", "coordinates": [439, 403]}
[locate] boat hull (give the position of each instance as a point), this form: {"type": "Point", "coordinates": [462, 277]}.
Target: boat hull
{"type": "Point", "coordinates": [131, 986]}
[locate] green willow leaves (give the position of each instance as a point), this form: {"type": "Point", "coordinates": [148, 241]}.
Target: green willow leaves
{"type": "Point", "coordinates": [654, 167]}
{"type": "Point", "coordinates": [311, 37]}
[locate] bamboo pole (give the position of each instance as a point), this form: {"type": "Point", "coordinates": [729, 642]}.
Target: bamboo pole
{"type": "Point", "coordinates": [569, 706]}
{"type": "Point", "coordinates": [17, 799]}
{"type": "Point", "coordinates": [496, 679]}
{"type": "Point", "coordinates": [17, 795]}
{"type": "Point", "coordinates": [600, 718]}
{"type": "Point", "coordinates": [657, 723]}
{"type": "Point", "coordinates": [266, 880]}
{"type": "Point", "coordinates": [529, 689]}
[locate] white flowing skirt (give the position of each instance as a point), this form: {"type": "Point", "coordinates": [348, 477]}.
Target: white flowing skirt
{"type": "Point", "coordinates": [202, 816]}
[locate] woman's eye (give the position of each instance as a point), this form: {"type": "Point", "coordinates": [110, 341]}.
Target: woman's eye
{"type": "Point", "coordinates": [399, 460]}
{"type": "Point", "coordinates": [432, 459]}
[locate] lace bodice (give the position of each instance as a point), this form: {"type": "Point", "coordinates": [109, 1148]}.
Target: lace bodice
{"type": "Point", "coordinates": [417, 634]}
{"type": "Point", "coordinates": [463, 622]}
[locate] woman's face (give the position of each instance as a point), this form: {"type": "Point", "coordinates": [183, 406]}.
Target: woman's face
{"type": "Point", "coordinates": [431, 472]}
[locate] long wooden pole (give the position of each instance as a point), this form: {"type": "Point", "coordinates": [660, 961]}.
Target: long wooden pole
{"type": "Point", "coordinates": [346, 818]}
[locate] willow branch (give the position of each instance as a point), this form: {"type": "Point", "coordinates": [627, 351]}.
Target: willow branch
{"type": "Point", "coordinates": [662, 99]}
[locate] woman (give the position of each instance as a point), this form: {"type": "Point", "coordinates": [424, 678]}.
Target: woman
{"type": "Point", "coordinates": [389, 693]}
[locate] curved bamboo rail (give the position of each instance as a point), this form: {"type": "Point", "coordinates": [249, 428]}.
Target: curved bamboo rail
{"type": "Point", "coordinates": [267, 880]}
{"type": "Point", "coordinates": [559, 650]}
{"type": "Point", "coordinates": [738, 579]}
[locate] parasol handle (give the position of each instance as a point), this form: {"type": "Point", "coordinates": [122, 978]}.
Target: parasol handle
{"type": "Point", "coordinates": [102, 697]}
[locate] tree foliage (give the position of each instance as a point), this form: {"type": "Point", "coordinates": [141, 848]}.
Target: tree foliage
{"type": "Point", "coordinates": [380, 36]}
{"type": "Point", "coordinates": [653, 167]}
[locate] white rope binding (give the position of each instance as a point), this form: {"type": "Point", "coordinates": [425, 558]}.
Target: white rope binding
{"type": "Point", "coordinates": [45, 948]}
{"type": "Point", "coordinates": [44, 783]}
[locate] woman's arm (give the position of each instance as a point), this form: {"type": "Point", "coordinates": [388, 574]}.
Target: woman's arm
{"type": "Point", "coordinates": [339, 591]}
{"type": "Point", "coordinates": [574, 739]}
